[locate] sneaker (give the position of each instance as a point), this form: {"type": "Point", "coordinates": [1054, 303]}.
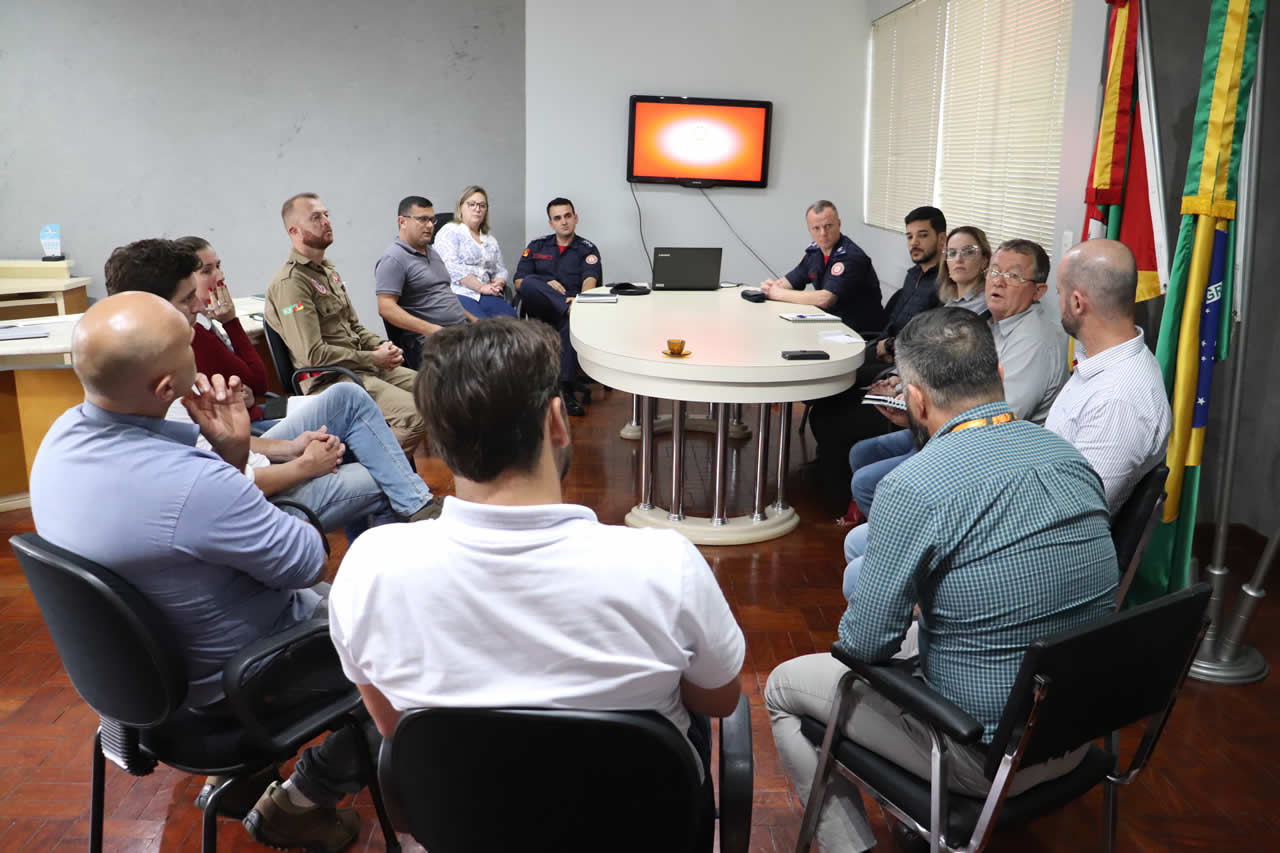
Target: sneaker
{"type": "Point", "coordinates": [276, 822]}
{"type": "Point", "coordinates": [431, 509]}
{"type": "Point", "coordinates": [236, 801]}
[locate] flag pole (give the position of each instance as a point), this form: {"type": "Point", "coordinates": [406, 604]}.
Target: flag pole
{"type": "Point", "coordinates": [1152, 145]}
{"type": "Point", "coordinates": [1223, 658]}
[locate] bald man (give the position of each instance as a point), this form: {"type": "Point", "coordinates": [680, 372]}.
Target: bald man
{"type": "Point", "coordinates": [196, 537]}
{"type": "Point", "coordinates": [307, 305]}
{"type": "Point", "coordinates": [1113, 408]}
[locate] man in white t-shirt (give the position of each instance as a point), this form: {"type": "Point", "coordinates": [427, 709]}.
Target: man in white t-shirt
{"type": "Point", "coordinates": [532, 602]}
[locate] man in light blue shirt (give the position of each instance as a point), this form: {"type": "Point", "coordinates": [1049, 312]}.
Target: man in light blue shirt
{"type": "Point", "coordinates": [116, 483]}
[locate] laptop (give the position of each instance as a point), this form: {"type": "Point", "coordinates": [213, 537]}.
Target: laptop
{"type": "Point", "coordinates": [677, 268]}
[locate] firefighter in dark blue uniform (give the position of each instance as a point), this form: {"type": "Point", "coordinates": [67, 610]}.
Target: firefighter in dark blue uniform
{"type": "Point", "coordinates": [844, 281]}
{"type": "Point", "coordinates": [552, 271]}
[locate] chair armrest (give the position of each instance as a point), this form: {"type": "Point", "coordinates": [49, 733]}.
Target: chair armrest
{"type": "Point", "coordinates": [296, 383]}
{"type": "Point", "coordinates": [306, 638]}
{"type": "Point", "coordinates": [736, 770]}
{"type": "Point", "coordinates": [914, 696]}
{"type": "Point", "coordinates": [311, 517]}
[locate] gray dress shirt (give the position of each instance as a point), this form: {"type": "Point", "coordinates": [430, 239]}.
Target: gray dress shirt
{"type": "Point", "coordinates": [1033, 352]}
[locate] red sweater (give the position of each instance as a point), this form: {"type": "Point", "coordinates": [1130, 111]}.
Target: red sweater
{"type": "Point", "coordinates": [212, 356]}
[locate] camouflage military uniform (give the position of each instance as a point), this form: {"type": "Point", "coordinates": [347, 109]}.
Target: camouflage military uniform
{"type": "Point", "coordinates": [307, 305]}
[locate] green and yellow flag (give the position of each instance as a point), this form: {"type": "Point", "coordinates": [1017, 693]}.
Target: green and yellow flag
{"type": "Point", "coordinates": [1198, 303]}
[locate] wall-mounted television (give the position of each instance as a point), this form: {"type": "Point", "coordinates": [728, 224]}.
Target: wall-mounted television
{"type": "Point", "coordinates": [699, 142]}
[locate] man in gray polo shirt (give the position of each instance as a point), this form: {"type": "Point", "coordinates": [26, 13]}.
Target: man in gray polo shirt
{"type": "Point", "coordinates": [412, 281]}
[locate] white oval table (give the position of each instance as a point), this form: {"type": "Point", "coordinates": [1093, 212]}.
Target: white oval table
{"type": "Point", "coordinates": [735, 356]}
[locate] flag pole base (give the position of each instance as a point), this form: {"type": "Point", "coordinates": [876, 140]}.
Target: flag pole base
{"type": "Point", "coordinates": [1249, 666]}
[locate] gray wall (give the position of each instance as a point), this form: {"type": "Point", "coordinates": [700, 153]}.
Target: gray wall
{"type": "Point", "coordinates": [143, 118]}
{"type": "Point", "coordinates": [1178, 37]}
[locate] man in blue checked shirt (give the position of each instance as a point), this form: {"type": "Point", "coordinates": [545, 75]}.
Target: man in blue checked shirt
{"type": "Point", "coordinates": [997, 530]}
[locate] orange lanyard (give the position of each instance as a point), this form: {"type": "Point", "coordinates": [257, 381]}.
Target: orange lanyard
{"type": "Point", "coordinates": [1003, 418]}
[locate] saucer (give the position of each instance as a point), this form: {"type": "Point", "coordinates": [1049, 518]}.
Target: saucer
{"type": "Point", "coordinates": [669, 354]}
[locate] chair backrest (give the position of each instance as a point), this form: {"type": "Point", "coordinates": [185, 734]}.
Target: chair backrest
{"type": "Point", "coordinates": [280, 358]}
{"type": "Point", "coordinates": [1133, 523]}
{"type": "Point", "coordinates": [1103, 676]}
{"type": "Point", "coordinates": [482, 780]}
{"type": "Point", "coordinates": [443, 219]}
{"type": "Point", "coordinates": [119, 652]}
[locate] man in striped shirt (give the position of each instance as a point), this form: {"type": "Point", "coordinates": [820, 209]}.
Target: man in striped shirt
{"type": "Point", "coordinates": [1113, 408]}
{"type": "Point", "coordinates": [997, 530]}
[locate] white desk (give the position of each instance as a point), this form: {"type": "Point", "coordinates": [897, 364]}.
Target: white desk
{"type": "Point", "coordinates": [37, 385]}
{"type": "Point", "coordinates": [735, 357]}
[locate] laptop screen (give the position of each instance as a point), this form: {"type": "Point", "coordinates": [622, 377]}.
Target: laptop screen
{"type": "Point", "coordinates": [683, 268]}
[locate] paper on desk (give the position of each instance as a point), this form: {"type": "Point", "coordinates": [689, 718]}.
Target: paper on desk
{"type": "Point", "coordinates": [838, 338]}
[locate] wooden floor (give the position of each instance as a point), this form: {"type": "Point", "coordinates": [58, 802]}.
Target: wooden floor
{"type": "Point", "coordinates": [1214, 783]}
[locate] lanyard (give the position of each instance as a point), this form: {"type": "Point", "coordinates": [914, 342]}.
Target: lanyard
{"type": "Point", "coordinates": [1002, 418]}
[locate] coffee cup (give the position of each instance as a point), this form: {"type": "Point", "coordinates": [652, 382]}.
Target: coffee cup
{"type": "Point", "coordinates": [675, 346]}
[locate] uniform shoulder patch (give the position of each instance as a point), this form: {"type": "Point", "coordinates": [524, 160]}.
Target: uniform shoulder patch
{"type": "Point", "coordinates": [525, 253]}
{"type": "Point", "coordinates": [837, 269]}
{"type": "Point", "coordinates": [593, 259]}
{"type": "Point", "coordinates": [289, 309]}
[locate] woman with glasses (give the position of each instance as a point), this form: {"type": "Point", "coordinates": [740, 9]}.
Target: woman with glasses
{"type": "Point", "coordinates": [219, 342]}
{"type": "Point", "coordinates": [962, 278]}
{"type": "Point", "coordinates": [474, 259]}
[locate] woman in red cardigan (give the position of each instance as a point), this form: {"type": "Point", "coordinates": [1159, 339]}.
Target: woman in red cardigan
{"type": "Point", "coordinates": [220, 343]}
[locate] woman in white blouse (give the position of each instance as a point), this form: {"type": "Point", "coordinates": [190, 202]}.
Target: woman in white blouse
{"type": "Point", "coordinates": [476, 271]}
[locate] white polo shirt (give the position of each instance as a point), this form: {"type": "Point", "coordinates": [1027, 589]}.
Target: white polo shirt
{"type": "Point", "coordinates": [534, 606]}
{"type": "Point", "coordinates": [1114, 410]}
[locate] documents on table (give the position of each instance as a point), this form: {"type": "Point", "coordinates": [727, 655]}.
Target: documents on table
{"type": "Point", "coordinates": [592, 296]}
{"type": "Point", "coordinates": [811, 317]}
{"type": "Point", "coordinates": [837, 337]}
{"type": "Point", "coordinates": [10, 332]}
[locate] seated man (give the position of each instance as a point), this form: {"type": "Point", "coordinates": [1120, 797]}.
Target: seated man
{"type": "Point", "coordinates": [412, 282]}
{"type": "Point", "coordinates": [307, 446]}
{"type": "Point", "coordinates": [223, 565]}
{"type": "Point", "coordinates": [592, 616]}
{"type": "Point", "coordinates": [307, 305]}
{"type": "Point", "coordinates": [1113, 408]}
{"type": "Point", "coordinates": [952, 532]}
{"type": "Point", "coordinates": [552, 271]}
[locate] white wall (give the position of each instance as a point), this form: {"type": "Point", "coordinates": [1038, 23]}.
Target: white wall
{"type": "Point", "coordinates": [583, 61]}
{"type": "Point", "coordinates": [136, 118]}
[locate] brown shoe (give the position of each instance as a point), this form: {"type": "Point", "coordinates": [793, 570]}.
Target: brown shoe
{"type": "Point", "coordinates": [276, 822]}
{"type": "Point", "coordinates": [236, 801]}
{"type": "Point", "coordinates": [431, 509]}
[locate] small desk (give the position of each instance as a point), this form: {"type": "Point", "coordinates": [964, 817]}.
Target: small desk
{"type": "Point", "coordinates": [735, 357]}
{"type": "Point", "coordinates": [37, 288]}
{"type": "Point", "coordinates": [37, 386]}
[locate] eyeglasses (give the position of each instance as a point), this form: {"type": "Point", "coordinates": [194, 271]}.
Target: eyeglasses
{"type": "Point", "coordinates": [1010, 277]}
{"type": "Point", "coordinates": [966, 252]}
{"type": "Point", "coordinates": [424, 218]}
{"type": "Point", "coordinates": [478, 205]}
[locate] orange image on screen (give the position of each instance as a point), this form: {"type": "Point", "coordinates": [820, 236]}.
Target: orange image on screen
{"type": "Point", "coordinates": [698, 141]}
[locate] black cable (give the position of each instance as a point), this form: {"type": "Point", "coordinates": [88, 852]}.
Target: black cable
{"type": "Point", "coordinates": [735, 233]}
{"type": "Point", "coordinates": [640, 219]}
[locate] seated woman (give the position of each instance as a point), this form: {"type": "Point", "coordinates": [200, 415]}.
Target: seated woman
{"type": "Point", "coordinates": [474, 259]}
{"type": "Point", "coordinates": [220, 343]}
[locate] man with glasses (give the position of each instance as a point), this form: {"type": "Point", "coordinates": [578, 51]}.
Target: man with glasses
{"type": "Point", "coordinates": [412, 281]}
{"type": "Point", "coordinates": [552, 271]}
{"type": "Point", "coordinates": [308, 307]}
{"type": "Point", "coordinates": [1032, 347]}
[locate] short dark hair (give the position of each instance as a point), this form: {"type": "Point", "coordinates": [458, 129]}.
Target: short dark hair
{"type": "Point", "coordinates": [155, 266]}
{"type": "Point", "coordinates": [951, 353]}
{"type": "Point", "coordinates": [195, 244]}
{"type": "Point", "coordinates": [1029, 247]}
{"type": "Point", "coordinates": [936, 220]}
{"type": "Point", "coordinates": [483, 389]}
{"type": "Point", "coordinates": [409, 202]}
{"type": "Point", "coordinates": [556, 202]}
{"type": "Point", "coordinates": [287, 207]}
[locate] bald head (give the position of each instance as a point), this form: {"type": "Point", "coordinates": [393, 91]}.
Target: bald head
{"type": "Point", "coordinates": [132, 352]}
{"type": "Point", "coordinates": [1106, 272]}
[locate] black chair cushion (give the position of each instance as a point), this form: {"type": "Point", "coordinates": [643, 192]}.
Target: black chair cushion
{"type": "Point", "coordinates": [911, 793]}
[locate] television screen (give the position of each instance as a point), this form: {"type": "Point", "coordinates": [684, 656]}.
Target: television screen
{"type": "Point", "coordinates": [699, 142]}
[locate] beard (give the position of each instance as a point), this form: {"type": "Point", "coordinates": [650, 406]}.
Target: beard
{"type": "Point", "coordinates": [323, 240]}
{"type": "Point", "coordinates": [919, 432]}
{"type": "Point", "coordinates": [1070, 324]}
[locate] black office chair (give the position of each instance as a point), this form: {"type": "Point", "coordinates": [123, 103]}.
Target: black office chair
{"type": "Point", "coordinates": [443, 219]}
{"type": "Point", "coordinates": [484, 780]}
{"type": "Point", "coordinates": [409, 342]}
{"type": "Point", "coordinates": [123, 660]}
{"type": "Point", "coordinates": [1133, 524]}
{"type": "Point", "coordinates": [290, 377]}
{"type": "Point", "coordinates": [1073, 688]}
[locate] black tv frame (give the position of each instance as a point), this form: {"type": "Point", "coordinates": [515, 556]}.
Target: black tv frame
{"type": "Point", "coordinates": [698, 182]}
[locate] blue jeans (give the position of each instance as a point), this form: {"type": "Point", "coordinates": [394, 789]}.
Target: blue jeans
{"type": "Point", "coordinates": [872, 458]}
{"type": "Point", "coordinates": [380, 483]}
{"type": "Point", "coordinates": [855, 547]}
{"type": "Point", "coordinates": [487, 306]}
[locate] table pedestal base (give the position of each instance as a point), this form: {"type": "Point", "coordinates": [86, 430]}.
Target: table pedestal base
{"type": "Point", "coordinates": [736, 530]}
{"type": "Point", "coordinates": [662, 424]}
